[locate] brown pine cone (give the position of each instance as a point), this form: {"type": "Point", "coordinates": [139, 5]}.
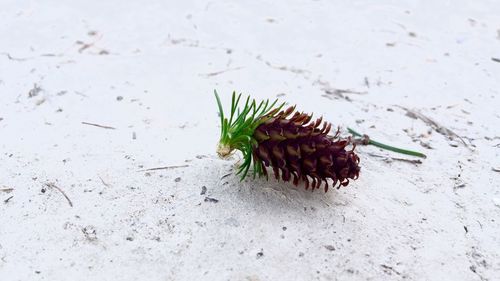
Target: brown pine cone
{"type": "Point", "coordinates": [296, 147]}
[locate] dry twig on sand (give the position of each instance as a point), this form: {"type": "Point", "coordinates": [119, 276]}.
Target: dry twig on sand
{"type": "Point", "coordinates": [164, 168]}
{"type": "Point", "coordinates": [100, 126]}
{"type": "Point", "coordinates": [52, 185]}
{"type": "Point", "coordinates": [331, 92]}
{"type": "Point", "coordinates": [415, 114]}
{"type": "Point", "coordinates": [388, 159]}
{"type": "Point", "coordinates": [105, 183]}
{"type": "Point", "coordinates": [220, 72]}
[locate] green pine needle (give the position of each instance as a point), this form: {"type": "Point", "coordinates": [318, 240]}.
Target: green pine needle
{"type": "Point", "coordinates": [388, 147]}
{"type": "Point", "coordinates": [237, 131]}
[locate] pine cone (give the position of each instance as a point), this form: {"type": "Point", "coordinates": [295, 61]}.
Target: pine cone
{"type": "Point", "coordinates": [293, 147]}
{"type": "Point", "coordinates": [297, 148]}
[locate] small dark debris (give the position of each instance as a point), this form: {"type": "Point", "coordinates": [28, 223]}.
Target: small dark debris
{"type": "Point", "coordinates": [330, 247]}
{"type": "Point", "coordinates": [495, 169]}
{"type": "Point", "coordinates": [43, 190]}
{"type": "Point", "coordinates": [284, 228]}
{"type": "Point", "coordinates": [34, 91]}
{"type": "Point", "coordinates": [203, 190]}
{"type": "Point", "coordinates": [473, 268]}
{"type": "Point", "coordinates": [301, 254]}
{"type": "Point", "coordinates": [390, 44]}
{"type": "Point", "coordinates": [83, 47]}
{"type": "Point", "coordinates": [412, 34]}
{"type": "Point", "coordinates": [37, 272]}
{"type": "Point", "coordinates": [426, 145]}
{"type": "Point", "coordinates": [178, 179]}
{"type": "Point", "coordinates": [134, 136]}
{"type": "Point", "coordinates": [8, 199]}
{"type": "Point", "coordinates": [260, 254]}
{"type": "Point", "coordinates": [212, 200]}
{"type": "Point", "coordinates": [90, 233]}
{"type": "Point", "coordinates": [389, 269]}
{"type": "Point", "coordinates": [129, 239]}
{"type": "Point", "coordinates": [466, 229]}
{"type": "Point", "coordinates": [119, 98]}
{"type": "Point", "coordinates": [495, 59]}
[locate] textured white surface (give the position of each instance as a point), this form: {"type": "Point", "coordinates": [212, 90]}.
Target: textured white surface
{"type": "Point", "coordinates": [148, 69]}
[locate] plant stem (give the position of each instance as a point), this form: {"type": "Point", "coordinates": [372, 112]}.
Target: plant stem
{"type": "Point", "coordinates": [387, 147]}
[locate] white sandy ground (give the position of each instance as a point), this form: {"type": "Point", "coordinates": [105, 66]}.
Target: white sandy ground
{"type": "Point", "coordinates": [148, 69]}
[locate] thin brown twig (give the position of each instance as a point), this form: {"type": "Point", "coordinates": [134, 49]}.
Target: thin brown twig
{"type": "Point", "coordinates": [433, 124]}
{"type": "Point", "coordinates": [8, 199]}
{"type": "Point", "coordinates": [52, 185]}
{"type": "Point", "coordinates": [7, 190]}
{"type": "Point", "coordinates": [100, 126]}
{"type": "Point", "coordinates": [13, 58]}
{"type": "Point", "coordinates": [331, 92]}
{"type": "Point", "coordinates": [105, 183]}
{"type": "Point", "coordinates": [411, 161]}
{"type": "Point", "coordinates": [164, 168]}
{"type": "Point", "coordinates": [220, 72]}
